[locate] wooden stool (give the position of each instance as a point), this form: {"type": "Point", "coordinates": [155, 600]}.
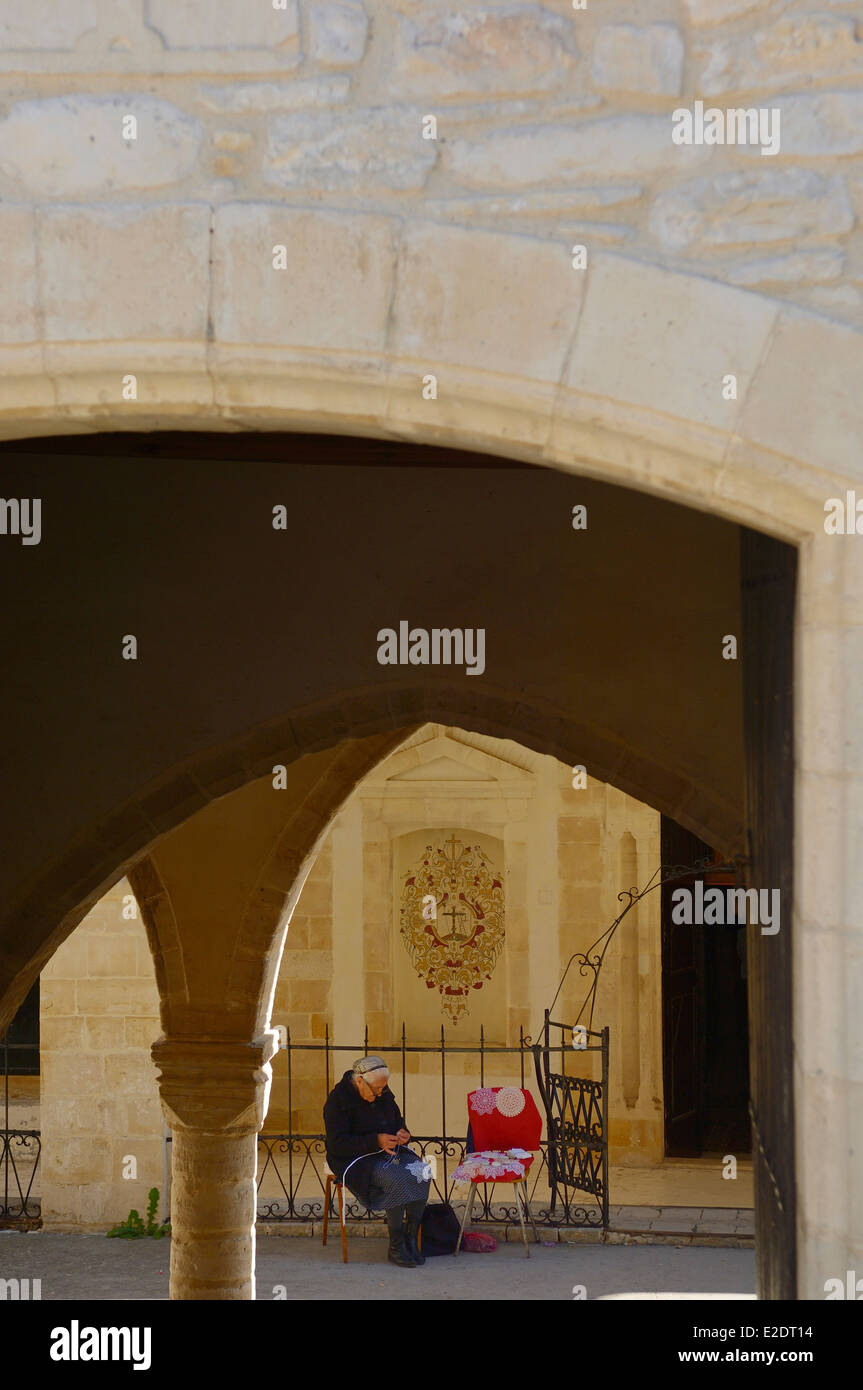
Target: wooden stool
{"type": "Point", "coordinates": [332, 1181]}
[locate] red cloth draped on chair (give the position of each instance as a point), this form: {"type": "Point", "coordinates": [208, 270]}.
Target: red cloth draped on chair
{"type": "Point", "coordinates": [507, 1131]}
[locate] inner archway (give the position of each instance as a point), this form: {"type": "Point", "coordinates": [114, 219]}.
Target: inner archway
{"type": "Point", "coordinates": [458, 540]}
{"type": "Point", "coordinates": [560, 855]}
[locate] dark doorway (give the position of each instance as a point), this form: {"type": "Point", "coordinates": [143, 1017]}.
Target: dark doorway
{"type": "Point", "coordinates": [19, 1050]}
{"type": "Point", "coordinates": [705, 1031]}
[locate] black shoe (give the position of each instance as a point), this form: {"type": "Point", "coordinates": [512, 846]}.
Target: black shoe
{"type": "Point", "coordinates": [398, 1253]}
{"type": "Point", "coordinates": [413, 1217]}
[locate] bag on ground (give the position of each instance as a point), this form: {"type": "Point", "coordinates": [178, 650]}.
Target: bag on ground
{"type": "Point", "coordinates": [440, 1227]}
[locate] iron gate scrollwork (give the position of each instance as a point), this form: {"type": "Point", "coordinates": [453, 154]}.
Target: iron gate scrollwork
{"type": "Point", "coordinates": [20, 1148]}
{"type": "Point", "coordinates": [576, 1113]}
{"type": "Point", "coordinates": [576, 1107]}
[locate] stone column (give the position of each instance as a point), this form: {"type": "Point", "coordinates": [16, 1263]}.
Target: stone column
{"type": "Point", "coordinates": [215, 1096]}
{"type": "Point", "coordinates": [517, 954]}
{"type": "Point", "coordinates": [543, 890]}
{"type": "Point", "coordinates": [828, 913]}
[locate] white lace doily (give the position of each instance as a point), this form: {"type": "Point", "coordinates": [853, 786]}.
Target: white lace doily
{"type": "Point", "coordinates": [488, 1165]}
{"type": "Point", "coordinates": [510, 1100]}
{"type": "Point", "coordinates": [419, 1170]}
{"type": "Point", "coordinates": [483, 1101]}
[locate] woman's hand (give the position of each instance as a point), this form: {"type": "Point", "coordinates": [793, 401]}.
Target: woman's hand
{"type": "Point", "coordinates": [403, 1136]}
{"type": "Point", "coordinates": [388, 1142]}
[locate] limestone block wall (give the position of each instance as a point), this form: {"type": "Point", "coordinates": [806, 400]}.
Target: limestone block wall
{"type": "Point", "coordinates": [221, 130]}
{"type": "Point", "coordinates": [549, 119]}
{"type": "Point", "coordinates": [99, 1103]}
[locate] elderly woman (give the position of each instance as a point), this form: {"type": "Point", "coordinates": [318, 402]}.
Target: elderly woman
{"type": "Point", "coordinates": [366, 1149]}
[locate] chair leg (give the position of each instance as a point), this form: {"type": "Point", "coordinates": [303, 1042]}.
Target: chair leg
{"type": "Point", "coordinates": [327, 1198]}
{"type": "Point", "coordinates": [529, 1212]}
{"type": "Point", "coordinates": [521, 1218]}
{"type": "Point", "coordinates": [466, 1217]}
{"type": "Point", "coordinates": [341, 1190]}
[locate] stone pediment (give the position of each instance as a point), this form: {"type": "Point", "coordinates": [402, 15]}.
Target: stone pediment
{"type": "Point", "coordinates": [446, 761]}
{"type": "Point", "coordinates": [443, 769]}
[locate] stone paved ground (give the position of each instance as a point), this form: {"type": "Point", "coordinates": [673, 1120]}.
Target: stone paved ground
{"type": "Point", "coordinates": [84, 1267]}
{"type": "Point", "coordinates": [694, 1221]}
{"type": "Point", "coordinates": [629, 1224]}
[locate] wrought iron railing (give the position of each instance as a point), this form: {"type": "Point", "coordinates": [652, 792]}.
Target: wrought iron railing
{"type": "Point", "coordinates": [567, 1183]}
{"type": "Point", "coordinates": [20, 1151]}
{"type": "Point", "coordinates": [289, 1156]}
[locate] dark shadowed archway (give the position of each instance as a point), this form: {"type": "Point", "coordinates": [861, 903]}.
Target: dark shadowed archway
{"type": "Point", "coordinates": [258, 645]}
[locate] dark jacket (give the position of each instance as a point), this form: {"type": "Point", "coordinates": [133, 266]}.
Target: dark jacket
{"type": "Point", "coordinates": [352, 1127]}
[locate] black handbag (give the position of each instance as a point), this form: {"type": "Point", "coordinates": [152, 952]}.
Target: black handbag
{"type": "Point", "coordinates": [440, 1228]}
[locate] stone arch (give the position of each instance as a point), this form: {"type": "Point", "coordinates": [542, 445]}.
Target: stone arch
{"type": "Point", "coordinates": [275, 866]}
{"type": "Point", "coordinates": [546, 388]}
{"type": "Point", "coordinates": [526, 350]}
{"type": "Point", "coordinates": [552, 393]}
{"type": "Point", "coordinates": [370, 719]}
{"type": "Point", "coordinates": [534, 374]}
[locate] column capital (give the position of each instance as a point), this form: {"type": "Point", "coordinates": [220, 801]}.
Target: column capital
{"type": "Point", "coordinates": [215, 1086]}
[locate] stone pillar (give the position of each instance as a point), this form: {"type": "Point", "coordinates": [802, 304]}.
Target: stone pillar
{"type": "Point", "coordinates": [517, 953]}
{"type": "Point", "coordinates": [828, 913]}
{"type": "Point", "coordinates": [215, 1096]}
{"type": "Point", "coordinates": [377, 919]}
{"type": "Point", "coordinates": [543, 890]}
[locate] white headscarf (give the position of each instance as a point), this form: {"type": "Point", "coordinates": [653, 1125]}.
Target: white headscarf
{"type": "Point", "coordinates": [366, 1066]}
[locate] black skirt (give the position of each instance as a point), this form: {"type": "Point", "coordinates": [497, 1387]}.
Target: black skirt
{"type": "Point", "coordinates": [381, 1181]}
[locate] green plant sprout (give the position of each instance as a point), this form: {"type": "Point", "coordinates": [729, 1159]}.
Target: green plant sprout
{"type": "Point", "coordinates": [133, 1228]}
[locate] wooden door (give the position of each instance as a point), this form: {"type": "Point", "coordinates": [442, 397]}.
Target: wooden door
{"type": "Point", "coordinates": [768, 585]}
